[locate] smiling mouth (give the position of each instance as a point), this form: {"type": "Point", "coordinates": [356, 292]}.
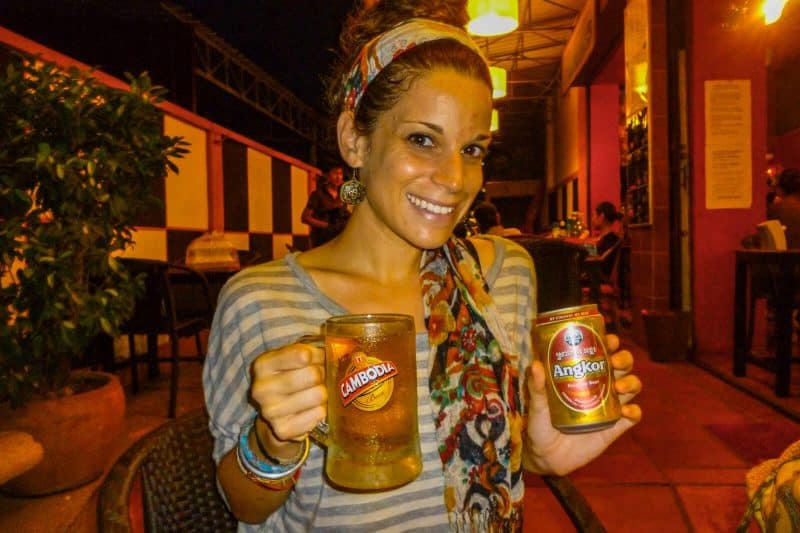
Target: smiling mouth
{"type": "Point", "coordinates": [425, 205]}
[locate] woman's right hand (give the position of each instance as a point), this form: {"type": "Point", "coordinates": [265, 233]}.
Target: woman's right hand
{"type": "Point", "coordinates": [288, 388]}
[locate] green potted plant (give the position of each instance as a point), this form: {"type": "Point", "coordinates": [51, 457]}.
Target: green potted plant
{"type": "Point", "coordinates": [79, 162]}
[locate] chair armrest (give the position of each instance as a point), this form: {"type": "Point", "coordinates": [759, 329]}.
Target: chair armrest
{"type": "Point", "coordinates": [574, 504]}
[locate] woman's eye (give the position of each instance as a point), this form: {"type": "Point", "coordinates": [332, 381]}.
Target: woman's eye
{"type": "Point", "coordinates": [476, 151]}
{"type": "Point", "coordinates": [418, 139]}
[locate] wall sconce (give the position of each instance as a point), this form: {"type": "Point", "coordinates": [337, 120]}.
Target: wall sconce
{"type": "Point", "coordinates": [495, 125]}
{"type": "Point", "coordinates": [640, 80]}
{"type": "Point", "coordinates": [772, 10]}
{"type": "Point", "coordinates": [744, 11]}
{"type": "Point", "coordinates": [492, 17]}
{"type": "Point", "coordinates": [498, 75]}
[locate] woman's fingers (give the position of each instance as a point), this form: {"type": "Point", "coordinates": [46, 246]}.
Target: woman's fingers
{"type": "Point", "coordinates": [621, 362]}
{"type": "Point", "coordinates": [289, 357]}
{"type": "Point", "coordinates": [612, 343]}
{"type": "Point", "coordinates": [632, 413]}
{"type": "Point", "coordinates": [289, 387]}
{"type": "Point", "coordinates": [297, 425]}
{"type": "Point", "coordinates": [627, 387]}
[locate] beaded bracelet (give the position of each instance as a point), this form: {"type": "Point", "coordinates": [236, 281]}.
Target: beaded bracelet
{"type": "Point", "coordinates": [280, 484]}
{"type": "Point", "coordinates": [265, 473]}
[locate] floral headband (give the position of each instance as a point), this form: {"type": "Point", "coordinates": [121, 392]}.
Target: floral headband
{"type": "Point", "coordinates": [383, 49]}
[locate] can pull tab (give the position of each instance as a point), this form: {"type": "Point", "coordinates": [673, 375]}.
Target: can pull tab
{"type": "Point", "coordinates": [321, 433]}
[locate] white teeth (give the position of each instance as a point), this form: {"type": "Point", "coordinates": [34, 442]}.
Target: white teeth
{"type": "Point", "coordinates": [428, 206]}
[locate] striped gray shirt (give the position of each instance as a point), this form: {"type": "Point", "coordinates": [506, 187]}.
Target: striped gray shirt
{"type": "Point", "coordinates": [268, 306]}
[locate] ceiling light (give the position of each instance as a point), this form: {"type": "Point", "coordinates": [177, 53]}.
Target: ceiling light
{"type": "Point", "coordinates": [492, 17]}
{"type": "Point", "coordinates": [772, 10]}
{"type": "Point", "coordinates": [498, 75]}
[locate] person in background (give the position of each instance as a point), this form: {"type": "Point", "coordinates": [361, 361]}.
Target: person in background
{"type": "Point", "coordinates": [786, 206]}
{"type": "Point", "coordinates": [603, 221]}
{"type": "Point", "coordinates": [489, 221]}
{"type": "Point", "coordinates": [412, 97]}
{"type": "Point", "coordinates": [325, 212]}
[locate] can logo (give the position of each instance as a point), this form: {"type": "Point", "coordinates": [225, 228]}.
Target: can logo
{"type": "Point", "coordinates": [368, 382]}
{"type": "Point", "coordinates": [578, 367]}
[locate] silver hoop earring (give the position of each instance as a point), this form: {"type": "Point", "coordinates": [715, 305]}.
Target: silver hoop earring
{"type": "Point", "coordinates": [352, 191]}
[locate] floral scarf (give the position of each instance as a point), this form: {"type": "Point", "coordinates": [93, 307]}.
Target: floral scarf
{"type": "Point", "coordinates": [475, 393]}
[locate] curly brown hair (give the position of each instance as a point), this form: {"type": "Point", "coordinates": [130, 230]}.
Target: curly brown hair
{"type": "Point", "coordinates": [364, 23]}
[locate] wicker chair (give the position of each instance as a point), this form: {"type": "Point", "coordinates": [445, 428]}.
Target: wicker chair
{"type": "Point", "coordinates": [172, 468]}
{"type": "Point", "coordinates": [177, 476]}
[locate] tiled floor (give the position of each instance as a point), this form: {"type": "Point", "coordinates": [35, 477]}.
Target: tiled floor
{"type": "Point", "coordinates": [669, 474]}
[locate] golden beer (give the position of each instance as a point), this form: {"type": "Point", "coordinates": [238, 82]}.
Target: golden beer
{"type": "Point", "coordinates": [371, 375]}
{"type": "Point", "coordinates": [580, 381]}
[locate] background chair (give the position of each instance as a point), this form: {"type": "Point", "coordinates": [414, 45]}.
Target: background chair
{"type": "Point", "coordinates": [603, 289]}
{"type": "Point", "coordinates": [157, 313]}
{"type": "Point", "coordinates": [170, 471]}
{"type": "Point", "coordinates": [558, 267]}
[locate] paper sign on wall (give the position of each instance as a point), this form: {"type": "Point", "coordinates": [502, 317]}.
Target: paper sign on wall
{"type": "Point", "coordinates": [729, 172]}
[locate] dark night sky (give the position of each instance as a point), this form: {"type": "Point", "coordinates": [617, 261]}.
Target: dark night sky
{"type": "Point", "coordinates": [291, 39]}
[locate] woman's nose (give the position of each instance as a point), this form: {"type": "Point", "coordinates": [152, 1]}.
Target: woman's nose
{"type": "Point", "coordinates": [450, 173]}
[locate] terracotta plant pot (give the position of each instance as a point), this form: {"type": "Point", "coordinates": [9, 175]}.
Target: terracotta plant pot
{"type": "Point", "coordinates": [77, 433]}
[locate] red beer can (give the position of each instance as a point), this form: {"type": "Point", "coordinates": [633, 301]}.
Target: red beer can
{"type": "Point", "coordinates": [580, 381]}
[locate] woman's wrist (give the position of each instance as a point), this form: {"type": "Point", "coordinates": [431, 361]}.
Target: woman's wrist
{"type": "Point", "coordinates": [266, 471]}
{"type": "Point", "coordinates": [270, 447]}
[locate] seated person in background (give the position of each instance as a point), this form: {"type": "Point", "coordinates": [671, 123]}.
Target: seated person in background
{"type": "Point", "coordinates": [489, 222]}
{"type": "Point", "coordinates": [603, 234]}
{"type": "Point", "coordinates": [325, 212]}
{"type": "Point", "coordinates": [605, 215]}
{"type": "Point", "coordinates": [786, 206]}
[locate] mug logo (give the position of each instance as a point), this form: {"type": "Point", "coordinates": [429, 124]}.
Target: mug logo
{"type": "Point", "coordinates": [368, 382]}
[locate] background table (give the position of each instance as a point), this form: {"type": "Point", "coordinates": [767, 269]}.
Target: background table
{"type": "Point", "coordinates": [784, 263]}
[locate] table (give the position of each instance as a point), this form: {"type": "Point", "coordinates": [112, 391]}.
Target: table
{"type": "Point", "coordinates": [215, 277]}
{"type": "Point", "coordinates": [785, 263]}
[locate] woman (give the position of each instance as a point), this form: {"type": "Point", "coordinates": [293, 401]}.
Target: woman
{"type": "Point", "coordinates": [787, 207]}
{"type": "Point", "coordinates": [325, 213]}
{"type": "Point", "coordinates": [605, 215]}
{"type": "Point", "coordinates": [413, 111]}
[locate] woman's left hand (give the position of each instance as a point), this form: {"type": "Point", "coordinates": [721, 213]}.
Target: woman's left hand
{"type": "Point", "coordinates": [547, 450]}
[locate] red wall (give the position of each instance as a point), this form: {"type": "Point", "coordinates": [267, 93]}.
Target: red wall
{"type": "Point", "coordinates": [787, 149]}
{"type": "Point", "coordinates": [604, 163]}
{"type": "Point", "coordinates": [717, 53]}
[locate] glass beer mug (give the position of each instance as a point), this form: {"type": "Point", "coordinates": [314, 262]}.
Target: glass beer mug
{"type": "Point", "coordinates": [371, 432]}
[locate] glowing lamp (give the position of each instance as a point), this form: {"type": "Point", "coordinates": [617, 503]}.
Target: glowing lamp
{"type": "Point", "coordinates": [492, 17]}
{"type": "Point", "coordinates": [772, 10]}
{"type": "Point", "coordinates": [495, 125]}
{"type": "Point", "coordinates": [640, 80]}
{"type": "Point", "coordinates": [498, 75]}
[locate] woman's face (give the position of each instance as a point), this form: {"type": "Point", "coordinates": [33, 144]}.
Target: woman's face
{"type": "Point", "coordinates": [599, 221]}
{"type": "Point", "coordinates": [423, 165]}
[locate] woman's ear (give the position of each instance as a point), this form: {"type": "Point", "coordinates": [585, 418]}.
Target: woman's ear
{"type": "Point", "coordinates": [352, 145]}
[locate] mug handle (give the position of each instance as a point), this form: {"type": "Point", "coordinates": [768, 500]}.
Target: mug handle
{"type": "Point", "coordinates": [321, 433]}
